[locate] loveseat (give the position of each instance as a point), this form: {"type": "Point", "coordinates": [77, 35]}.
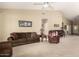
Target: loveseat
{"type": "Point", "coordinates": [20, 38]}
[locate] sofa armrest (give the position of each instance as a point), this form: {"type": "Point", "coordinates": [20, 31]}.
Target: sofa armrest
{"type": "Point", "coordinates": [10, 38]}
{"type": "Point", "coordinates": [38, 35]}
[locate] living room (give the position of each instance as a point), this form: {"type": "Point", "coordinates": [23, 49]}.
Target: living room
{"type": "Point", "coordinates": [18, 19]}
{"type": "Point", "coordinates": [10, 21]}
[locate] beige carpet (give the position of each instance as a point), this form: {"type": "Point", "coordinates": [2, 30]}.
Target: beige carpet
{"type": "Point", "coordinates": [68, 47]}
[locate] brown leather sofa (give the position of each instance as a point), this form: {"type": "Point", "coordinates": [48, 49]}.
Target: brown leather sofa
{"type": "Point", "coordinates": [20, 38]}
{"type": "Point", "coordinates": [5, 49]}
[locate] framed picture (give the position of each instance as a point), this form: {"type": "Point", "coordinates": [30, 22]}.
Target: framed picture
{"type": "Point", "coordinates": [56, 25]}
{"type": "Point", "coordinates": [25, 23]}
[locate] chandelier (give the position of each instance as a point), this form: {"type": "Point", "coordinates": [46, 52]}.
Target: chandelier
{"type": "Point", "coordinates": [45, 5]}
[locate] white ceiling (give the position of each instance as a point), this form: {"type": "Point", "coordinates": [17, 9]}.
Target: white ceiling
{"type": "Point", "coordinates": [70, 9]}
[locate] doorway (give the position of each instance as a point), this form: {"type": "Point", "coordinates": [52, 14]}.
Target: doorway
{"type": "Point", "coordinates": [44, 29]}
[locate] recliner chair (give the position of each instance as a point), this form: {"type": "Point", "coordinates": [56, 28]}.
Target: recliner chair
{"type": "Point", "coordinates": [5, 49]}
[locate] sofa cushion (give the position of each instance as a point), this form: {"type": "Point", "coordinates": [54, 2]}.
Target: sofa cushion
{"type": "Point", "coordinates": [20, 40]}
{"type": "Point", "coordinates": [28, 35]}
{"type": "Point", "coordinates": [18, 35]}
{"type": "Point", "coordinates": [21, 35]}
{"type": "Point", "coordinates": [33, 35]}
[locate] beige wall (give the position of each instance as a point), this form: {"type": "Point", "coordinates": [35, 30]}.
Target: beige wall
{"type": "Point", "coordinates": [2, 20]}
{"type": "Point", "coordinates": [9, 21]}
